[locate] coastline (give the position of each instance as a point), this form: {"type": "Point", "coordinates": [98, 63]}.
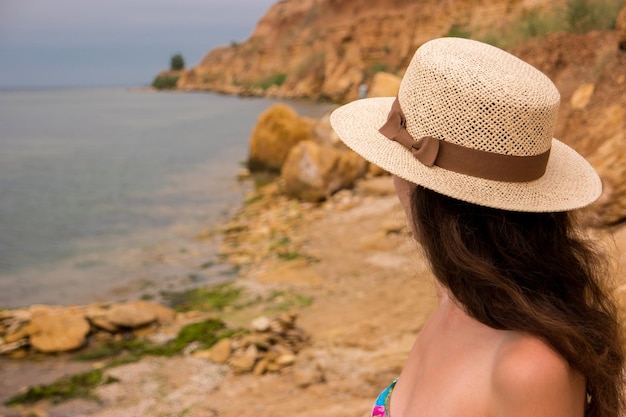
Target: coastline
{"type": "Point", "coordinates": [99, 183]}
{"type": "Point", "coordinates": [354, 258]}
{"type": "Point", "coordinates": [371, 292]}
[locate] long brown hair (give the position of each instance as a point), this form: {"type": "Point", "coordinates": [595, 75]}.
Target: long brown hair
{"type": "Point", "coordinates": [528, 272]}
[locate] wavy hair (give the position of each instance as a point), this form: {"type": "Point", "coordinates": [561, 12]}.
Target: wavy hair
{"type": "Point", "coordinates": [528, 272]}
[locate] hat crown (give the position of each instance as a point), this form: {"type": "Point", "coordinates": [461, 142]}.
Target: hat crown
{"type": "Point", "coordinates": [478, 96]}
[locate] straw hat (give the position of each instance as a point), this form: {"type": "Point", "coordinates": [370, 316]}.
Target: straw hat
{"type": "Point", "coordinates": [474, 123]}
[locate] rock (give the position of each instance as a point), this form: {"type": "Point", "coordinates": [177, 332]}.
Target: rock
{"type": "Point", "coordinates": [18, 354]}
{"type": "Point", "coordinates": [313, 172]}
{"type": "Point", "coordinates": [19, 315]}
{"type": "Point", "coordinates": [384, 85]}
{"type": "Point", "coordinates": [582, 96]}
{"type": "Point", "coordinates": [242, 362]}
{"type": "Point", "coordinates": [282, 323]}
{"type": "Point", "coordinates": [133, 314]}
{"type": "Point", "coordinates": [377, 187]}
{"type": "Point", "coordinates": [261, 341]}
{"type": "Point", "coordinates": [97, 316]}
{"type": "Point", "coordinates": [202, 354]}
{"type": "Point", "coordinates": [324, 134]}
{"type": "Point", "coordinates": [220, 352]}
{"type": "Point", "coordinates": [162, 313]}
{"type": "Point", "coordinates": [13, 323]}
{"type": "Point", "coordinates": [273, 367]}
{"type": "Point", "coordinates": [270, 350]}
{"type": "Point", "coordinates": [280, 350]}
{"type": "Point", "coordinates": [261, 367]}
{"type": "Point", "coordinates": [17, 334]}
{"type": "Point", "coordinates": [286, 359]}
{"type": "Point", "coordinates": [261, 324]}
{"type": "Point", "coordinates": [57, 331]}
{"type": "Point", "coordinates": [144, 331]}
{"type": "Point", "coordinates": [278, 129]}
{"type": "Point", "coordinates": [13, 346]}
{"type": "Point", "coordinates": [103, 324]}
{"type": "Point", "coordinates": [130, 315]}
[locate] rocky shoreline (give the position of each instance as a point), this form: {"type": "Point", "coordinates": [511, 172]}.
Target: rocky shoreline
{"type": "Point", "coordinates": [328, 247]}
{"type": "Point", "coordinates": [266, 271]}
{"type": "Point", "coordinates": [346, 267]}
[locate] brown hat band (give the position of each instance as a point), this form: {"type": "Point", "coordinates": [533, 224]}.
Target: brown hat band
{"type": "Point", "coordinates": [473, 162]}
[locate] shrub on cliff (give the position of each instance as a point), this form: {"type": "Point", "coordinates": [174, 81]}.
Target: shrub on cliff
{"type": "Point", "coordinates": [276, 79]}
{"type": "Point", "coordinates": [165, 81]}
{"type": "Point", "coordinates": [177, 62]}
{"type": "Point", "coordinates": [575, 16]}
{"type": "Point", "coordinates": [586, 15]}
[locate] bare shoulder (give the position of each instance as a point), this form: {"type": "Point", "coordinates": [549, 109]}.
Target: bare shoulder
{"type": "Point", "coordinates": [530, 378]}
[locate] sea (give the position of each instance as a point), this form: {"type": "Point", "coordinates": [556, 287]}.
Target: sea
{"type": "Point", "coordinates": [109, 194]}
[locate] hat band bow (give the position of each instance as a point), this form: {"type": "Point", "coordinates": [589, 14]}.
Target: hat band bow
{"type": "Point", "coordinates": [431, 151]}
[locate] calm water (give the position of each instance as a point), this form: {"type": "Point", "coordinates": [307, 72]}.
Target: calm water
{"type": "Point", "coordinates": [95, 183]}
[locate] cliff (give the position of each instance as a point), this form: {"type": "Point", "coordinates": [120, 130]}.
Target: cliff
{"type": "Point", "coordinates": [589, 71]}
{"type": "Point", "coordinates": [324, 49]}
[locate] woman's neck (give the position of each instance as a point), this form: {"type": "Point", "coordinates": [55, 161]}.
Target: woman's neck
{"type": "Point", "coordinates": [451, 312]}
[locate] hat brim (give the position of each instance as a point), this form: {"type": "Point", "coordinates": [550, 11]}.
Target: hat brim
{"type": "Point", "coordinates": [569, 182]}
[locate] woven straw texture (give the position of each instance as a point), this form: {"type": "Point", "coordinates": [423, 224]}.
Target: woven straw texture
{"type": "Point", "coordinates": [480, 97]}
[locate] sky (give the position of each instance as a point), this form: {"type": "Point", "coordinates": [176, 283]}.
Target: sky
{"type": "Point", "coordinates": [79, 43]}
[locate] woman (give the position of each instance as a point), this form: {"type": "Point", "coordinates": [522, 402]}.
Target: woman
{"type": "Point", "coordinates": [524, 326]}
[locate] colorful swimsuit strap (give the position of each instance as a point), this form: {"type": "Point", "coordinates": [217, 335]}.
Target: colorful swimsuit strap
{"type": "Point", "coordinates": [381, 406]}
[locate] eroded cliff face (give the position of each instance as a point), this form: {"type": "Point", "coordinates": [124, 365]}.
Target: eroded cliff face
{"type": "Point", "coordinates": [324, 49]}
{"type": "Point", "coordinates": [590, 72]}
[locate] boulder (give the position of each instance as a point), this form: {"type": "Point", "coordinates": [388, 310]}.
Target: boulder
{"type": "Point", "coordinates": [313, 172]}
{"type": "Point", "coordinates": [324, 134]}
{"type": "Point", "coordinates": [277, 131]}
{"type": "Point", "coordinates": [384, 85]}
{"type": "Point", "coordinates": [57, 331]}
{"type": "Point", "coordinates": [130, 315]}
{"type": "Point", "coordinates": [242, 362]}
{"type": "Point", "coordinates": [220, 352]}
{"type": "Point", "coordinates": [97, 316]}
{"type": "Point", "coordinates": [162, 313]}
